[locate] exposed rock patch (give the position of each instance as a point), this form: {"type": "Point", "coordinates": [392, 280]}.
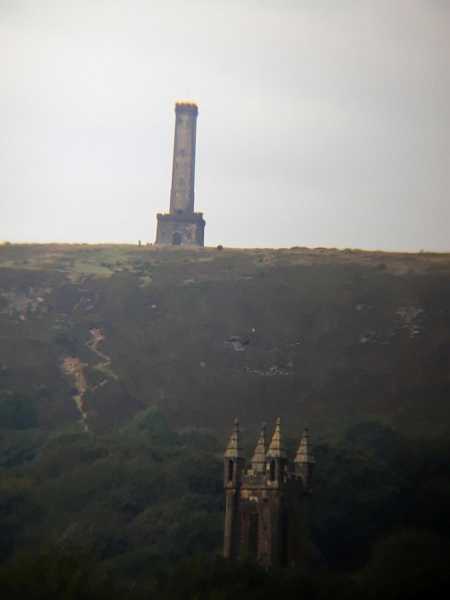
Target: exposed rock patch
{"type": "Point", "coordinates": [23, 303]}
{"type": "Point", "coordinates": [271, 371]}
{"type": "Point", "coordinates": [411, 318]}
{"type": "Point", "coordinates": [237, 343]}
{"type": "Point", "coordinates": [72, 368]}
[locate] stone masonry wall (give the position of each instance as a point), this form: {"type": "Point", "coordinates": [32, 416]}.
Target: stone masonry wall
{"type": "Point", "coordinates": [183, 170]}
{"type": "Point", "coordinates": [191, 231]}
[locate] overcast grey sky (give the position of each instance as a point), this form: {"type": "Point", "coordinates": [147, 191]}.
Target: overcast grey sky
{"type": "Point", "coordinates": [321, 122]}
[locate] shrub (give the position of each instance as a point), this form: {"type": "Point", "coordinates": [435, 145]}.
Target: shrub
{"type": "Point", "coordinates": [153, 425]}
{"type": "Point", "coordinates": [17, 412]}
{"type": "Point", "coordinates": [59, 334]}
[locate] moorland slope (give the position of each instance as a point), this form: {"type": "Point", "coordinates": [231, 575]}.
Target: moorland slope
{"type": "Point", "coordinates": [331, 337]}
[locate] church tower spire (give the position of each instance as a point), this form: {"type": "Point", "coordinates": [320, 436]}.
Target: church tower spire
{"type": "Point", "coordinates": [304, 460]}
{"type": "Point", "coordinates": [276, 457]}
{"type": "Point", "coordinates": [259, 456]}
{"type": "Point", "coordinates": [234, 458]}
{"type": "Point", "coordinates": [232, 476]}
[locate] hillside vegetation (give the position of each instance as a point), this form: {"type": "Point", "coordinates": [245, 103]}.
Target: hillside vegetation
{"type": "Point", "coordinates": [325, 336]}
{"type": "Point", "coordinates": [122, 369]}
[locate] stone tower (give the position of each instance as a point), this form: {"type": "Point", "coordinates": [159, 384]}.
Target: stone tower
{"type": "Point", "coordinates": [267, 506]}
{"type": "Point", "coordinates": [182, 226]}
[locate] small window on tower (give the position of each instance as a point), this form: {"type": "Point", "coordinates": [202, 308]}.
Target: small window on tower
{"type": "Point", "coordinates": [230, 470]}
{"type": "Point", "coordinates": [179, 212]}
{"type": "Point", "coordinates": [272, 470]}
{"type": "Point", "coordinates": [253, 533]}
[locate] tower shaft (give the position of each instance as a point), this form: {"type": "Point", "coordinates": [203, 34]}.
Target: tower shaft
{"type": "Point", "coordinates": [183, 169]}
{"type": "Point", "coordinates": [181, 226]}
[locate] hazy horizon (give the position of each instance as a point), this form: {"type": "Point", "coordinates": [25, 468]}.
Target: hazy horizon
{"type": "Point", "coordinates": [320, 124]}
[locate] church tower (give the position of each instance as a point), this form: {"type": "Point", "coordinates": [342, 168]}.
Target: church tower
{"type": "Point", "coordinates": [182, 226]}
{"type": "Point", "coordinates": [267, 506]}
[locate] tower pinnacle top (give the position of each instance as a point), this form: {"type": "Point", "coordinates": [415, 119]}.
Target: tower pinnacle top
{"type": "Point", "coordinates": [234, 448]}
{"type": "Point", "coordinates": [304, 452]}
{"type": "Point", "coordinates": [277, 448]}
{"type": "Point", "coordinates": [259, 456]}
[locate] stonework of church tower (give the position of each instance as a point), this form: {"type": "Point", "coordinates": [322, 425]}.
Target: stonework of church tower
{"type": "Point", "coordinates": [267, 506]}
{"type": "Point", "coordinates": [182, 226]}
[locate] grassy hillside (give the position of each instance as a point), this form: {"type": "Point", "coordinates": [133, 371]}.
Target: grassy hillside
{"type": "Point", "coordinates": [98, 333]}
{"type": "Point", "coordinates": [122, 369]}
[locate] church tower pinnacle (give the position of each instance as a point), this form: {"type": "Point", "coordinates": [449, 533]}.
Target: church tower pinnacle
{"type": "Point", "coordinates": [259, 456]}
{"type": "Point", "coordinates": [304, 460]}
{"type": "Point", "coordinates": [276, 458]}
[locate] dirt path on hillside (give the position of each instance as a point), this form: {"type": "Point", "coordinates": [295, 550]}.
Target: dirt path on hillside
{"type": "Point", "coordinates": [97, 336]}
{"type": "Point", "coordinates": [73, 368]}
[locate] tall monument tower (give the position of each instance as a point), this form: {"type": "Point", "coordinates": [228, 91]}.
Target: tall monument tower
{"type": "Point", "coordinates": [182, 226]}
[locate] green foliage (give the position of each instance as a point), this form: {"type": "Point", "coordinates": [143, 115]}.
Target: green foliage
{"type": "Point", "coordinates": [373, 483]}
{"type": "Point", "coordinates": [183, 526]}
{"type": "Point", "coordinates": [152, 425]}
{"type": "Point", "coordinates": [218, 580]}
{"type": "Point", "coordinates": [410, 563]}
{"type": "Point", "coordinates": [355, 500]}
{"type": "Point", "coordinates": [114, 492]}
{"type": "Point", "coordinates": [371, 434]}
{"type": "Point", "coordinates": [142, 509]}
{"type": "Point", "coordinates": [17, 411]}
{"type": "Point", "coordinates": [203, 438]}
{"type": "Point", "coordinates": [59, 333]}
{"type": "Point", "coordinates": [56, 575]}
{"type": "Point", "coordinates": [18, 447]}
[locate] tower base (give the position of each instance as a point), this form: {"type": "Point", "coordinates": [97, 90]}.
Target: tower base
{"type": "Point", "coordinates": [180, 230]}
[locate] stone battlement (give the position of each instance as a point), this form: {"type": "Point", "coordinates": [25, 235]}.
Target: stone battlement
{"type": "Point", "coordinates": [186, 107]}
